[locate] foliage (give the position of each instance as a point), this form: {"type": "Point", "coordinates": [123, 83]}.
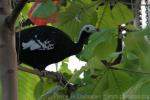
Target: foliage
{"type": "Point", "coordinates": [27, 84]}
{"type": "Point", "coordinates": [99, 82]}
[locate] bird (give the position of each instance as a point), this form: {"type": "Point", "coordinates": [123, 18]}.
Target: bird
{"type": "Point", "coordinates": [40, 46]}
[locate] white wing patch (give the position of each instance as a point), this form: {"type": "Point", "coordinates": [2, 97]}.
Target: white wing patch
{"type": "Point", "coordinates": [37, 45]}
{"type": "Point", "coordinates": [31, 44]}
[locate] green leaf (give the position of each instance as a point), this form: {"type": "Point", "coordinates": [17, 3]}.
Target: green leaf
{"type": "Point", "coordinates": [64, 68]}
{"type": "Point", "coordinates": [26, 85]}
{"type": "Point", "coordinates": [93, 63]}
{"type": "Point", "coordinates": [39, 89]}
{"type": "Point", "coordinates": [137, 45]}
{"type": "Point", "coordinates": [110, 85]}
{"type": "Point", "coordinates": [112, 18]}
{"type": "Point", "coordinates": [139, 91]}
{"type": "Point", "coordinates": [75, 17]}
{"type": "Point", "coordinates": [99, 43]}
{"type": "Point", "coordinates": [50, 93]}
{"type": "Point", "coordinates": [118, 83]}
{"type": "Point", "coordinates": [105, 17]}
{"type": "Point", "coordinates": [42, 87]}
{"type": "Point", "coordinates": [131, 56]}
{"type": "Point", "coordinates": [76, 74]}
{"type": "Point", "coordinates": [25, 10]}
{"type": "Point", "coordinates": [91, 91]}
{"type": "Point", "coordinates": [122, 14]}
{"type": "Point", "coordinates": [112, 57]}
{"type": "Point", "coordinates": [94, 66]}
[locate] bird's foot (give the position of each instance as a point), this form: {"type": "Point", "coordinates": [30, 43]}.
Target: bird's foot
{"type": "Point", "coordinates": [44, 73]}
{"type": "Point", "coordinates": [55, 75]}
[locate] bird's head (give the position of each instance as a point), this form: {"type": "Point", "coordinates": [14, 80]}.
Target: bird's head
{"type": "Point", "coordinates": [85, 32]}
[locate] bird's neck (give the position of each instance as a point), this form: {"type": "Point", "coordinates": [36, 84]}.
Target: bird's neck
{"type": "Point", "coordinates": [83, 38]}
{"type": "Point", "coordinates": [77, 48]}
{"type": "Point", "coordinates": [81, 41]}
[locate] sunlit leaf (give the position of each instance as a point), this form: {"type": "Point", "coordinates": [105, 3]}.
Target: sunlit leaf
{"type": "Point", "coordinates": [26, 83]}
{"type": "Point", "coordinates": [64, 68]}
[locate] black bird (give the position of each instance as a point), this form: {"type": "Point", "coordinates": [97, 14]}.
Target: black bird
{"type": "Point", "coordinates": [40, 46]}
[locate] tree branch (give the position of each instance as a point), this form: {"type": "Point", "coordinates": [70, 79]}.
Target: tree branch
{"type": "Point", "coordinates": [11, 19]}
{"type": "Point", "coordinates": [56, 76]}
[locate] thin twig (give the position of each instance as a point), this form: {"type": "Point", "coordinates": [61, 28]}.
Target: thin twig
{"type": "Point", "coordinates": [109, 66]}
{"type": "Point", "coordinates": [133, 71]}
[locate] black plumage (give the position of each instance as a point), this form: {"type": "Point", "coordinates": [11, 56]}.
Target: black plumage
{"type": "Point", "coordinates": [40, 46]}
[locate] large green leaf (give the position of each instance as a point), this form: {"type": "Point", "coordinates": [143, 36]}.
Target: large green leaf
{"type": "Point", "coordinates": [75, 16]}
{"type": "Point", "coordinates": [122, 14]}
{"type": "Point", "coordinates": [139, 91]}
{"type": "Point", "coordinates": [111, 85]}
{"type": "Point", "coordinates": [101, 44]}
{"type": "Point", "coordinates": [137, 46]}
{"type": "Point", "coordinates": [26, 85]}
{"type": "Point", "coordinates": [112, 18]}
{"type": "Point", "coordinates": [105, 17]}
{"type": "Point", "coordinates": [92, 91]}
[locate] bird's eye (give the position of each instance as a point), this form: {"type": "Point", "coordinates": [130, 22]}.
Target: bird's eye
{"type": "Point", "coordinates": [87, 28]}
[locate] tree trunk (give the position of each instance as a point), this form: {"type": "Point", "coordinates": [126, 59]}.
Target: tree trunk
{"type": "Point", "coordinates": [8, 60]}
